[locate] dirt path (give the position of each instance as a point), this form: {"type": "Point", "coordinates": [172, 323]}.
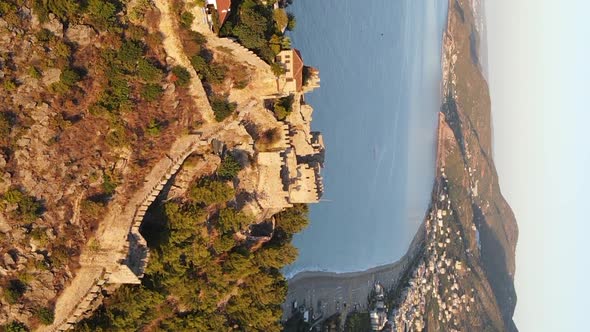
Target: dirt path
{"type": "Point", "coordinates": [174, 50]}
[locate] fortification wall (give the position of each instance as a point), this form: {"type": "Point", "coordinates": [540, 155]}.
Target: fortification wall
{"type": "Point", "coordinates": [86, 292]}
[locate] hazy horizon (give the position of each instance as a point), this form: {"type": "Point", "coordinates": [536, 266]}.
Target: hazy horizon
{"type": "Point", "coordinates": [539, 79]}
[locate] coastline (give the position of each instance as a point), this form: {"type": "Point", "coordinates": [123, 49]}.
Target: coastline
{"type": "Point", "coordinates": [388, 161]}
{"type": "Point", "coordinates": [340, 285]}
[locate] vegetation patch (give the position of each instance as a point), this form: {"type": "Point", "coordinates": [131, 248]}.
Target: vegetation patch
{"type": "Point", "coordinates": [201, 277]}
{"type": "Point", "coordinates": [45, 316]}
{"type": "Point", "coordinates": [283, 107]}
{"type": "Point", "coordinates": [229, 167]}
{"type": "Point", "coordinates": [14, 290]}
{"type": "Point", "coordinates": [27, 207]}
{"type": "Point", "coordinates": [222, 108]}
{"type": "Point", "coordinates": [209, 191]}
{"type": "Point", "coordinates": [181, 77]}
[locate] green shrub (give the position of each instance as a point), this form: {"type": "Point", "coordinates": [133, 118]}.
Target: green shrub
{"type": "Point", "coordinates": [102, 13]}
{"type": "Point", "coordinates": [280, 17]}
{"type": "Point", "coordinates": [292, 22]}
{"type": "Point", "coordinates": [181, 76]}
{"type": "Point", "coordinates": [15, 326]}
{"type": "Point", "coordinates": [232, 221]}
{"type": "Point", "coordinates": [28, 208]}
{"type": "Point", "coordinates": [6, 8]}
{"type": "Point", "coordinates": [198, 63]}
{"type": "Point", "coordinates": [277, 69]}
{"type": "Point", "coordinates": [280, 112]}
{"type": "Point", "coordinates": [60, 255]}
{"type": "Point", "coordinates": [116, 96]}
{"type": "Point", "coordinates": [210, 72]}
{"type": "Point", "coordinates": [215, 21]}
{"type": "Point", "coordinates": [293, 220]}
{"type": "Point", "coordinates": [229, 167]}
{"type": "Point", "coordinates": [14, 291]}
{"type": "Point", "coordinates": [276, 256]}
{"type": "Point", "coordinates": [151, 92]}
{"type": "Point", "coordinates": [222, 108]}
{"type": "Point", "coordinates": [109, 184]}
{"type": "Point", "coordinates": [137, 13]}
{"type": "Point", "coordinates": [44, 35]}
{"type": "Point", "coordinates": [186, 19]}
{"type": "Point", "coordinates": [34, 72]}
{"type": "Point", "coordinates": [61, 49]}
{"type": "Point", "coordinates": [198, 37]}
{"type": "Point", "coordinates": [130, 53]}
{"type": "Point", "coordinates": [117, 137]}
{"type": "Point", "coordinates": [215, 73]}
{"type": "Point", "coordinates": [9, 85]}
{"type": "Point", "coordinates": [64, 9]}
{"type": "Point", "coordinates": [209, 191]}
{"type": "Point", "coordinates": [40, 234]}
{"type": "Point", "coordinates": [283, 107]}
{"type": "Point", "coordinates": [223, 243]}
{"type": "Point", "coordinates": [69, 77]}
{"type": "Point", "coordinates": [154, 128]}
{"type": "Point", "coordinates": [148, 72]}
{"type": "Point", "coordinates": [5, 126]}
{"type": "Point", "coordinates": [45, 315]}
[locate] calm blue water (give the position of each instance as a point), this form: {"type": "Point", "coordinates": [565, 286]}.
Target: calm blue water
{"type": "Point", "coordinates": [379, 65]}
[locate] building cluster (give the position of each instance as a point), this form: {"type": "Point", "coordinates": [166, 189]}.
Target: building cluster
{"type": "Point", "coordinates": [290, 172]}
{"type": "Point", "coordinates": [291, 175]}
{"type": "Point", "coordinates": [378, 315]}
{"type": "Point", "coordinates": [436, 281]}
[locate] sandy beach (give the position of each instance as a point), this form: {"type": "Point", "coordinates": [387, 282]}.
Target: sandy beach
{"type": "Point", "coordinates": [325, 293]}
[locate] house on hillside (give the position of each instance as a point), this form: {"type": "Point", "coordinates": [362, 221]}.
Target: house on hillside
{"type": "Point", "coordinates": [219, 8]}
{"type": "Point", "coordinates": [298, 78]}
{"type": "Point", "coordinates": [292, 62]}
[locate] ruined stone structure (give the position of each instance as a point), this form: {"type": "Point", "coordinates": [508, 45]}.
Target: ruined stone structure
{"type": "Point", "coordinates": [291, 175]}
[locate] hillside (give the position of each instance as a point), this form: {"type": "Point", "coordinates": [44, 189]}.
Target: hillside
{"type": "Point", "coordinates": [153, 169]}
{"type": "Point", "coordinates": [464, 279]}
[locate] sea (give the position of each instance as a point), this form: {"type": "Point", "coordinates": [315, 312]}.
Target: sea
{"type": "Point", "coordinates": [380, 71]}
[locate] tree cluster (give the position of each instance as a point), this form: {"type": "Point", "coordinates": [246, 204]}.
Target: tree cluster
{"type": "Point", "coordinates": [202, 278]}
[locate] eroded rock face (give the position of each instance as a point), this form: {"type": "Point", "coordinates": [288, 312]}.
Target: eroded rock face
{"type": "Point", "coordinates": [83, 35]}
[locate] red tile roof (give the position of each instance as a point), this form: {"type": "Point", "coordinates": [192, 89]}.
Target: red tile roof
{"type": "Point", "coordinates": [223, 8]}
{"type": "Point", "coordinates": [298, 69]}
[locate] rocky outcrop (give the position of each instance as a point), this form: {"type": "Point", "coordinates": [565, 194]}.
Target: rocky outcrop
{"type": "Point", "coordinates": [83, 35]}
